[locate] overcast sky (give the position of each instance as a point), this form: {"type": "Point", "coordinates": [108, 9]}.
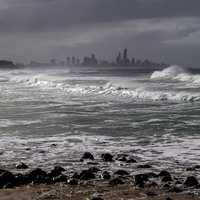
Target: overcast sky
{"type": "Point", "coordinates": [161, 30]}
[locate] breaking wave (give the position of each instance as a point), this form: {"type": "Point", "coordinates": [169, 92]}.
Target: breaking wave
{"type": "Point", "coordinates": [177, 73]}
{"type": "Point", "coordinates": [145, 92]}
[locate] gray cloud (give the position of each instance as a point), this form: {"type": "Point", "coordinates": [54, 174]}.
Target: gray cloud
{"type": "Point", "coordinates": [36, 29]}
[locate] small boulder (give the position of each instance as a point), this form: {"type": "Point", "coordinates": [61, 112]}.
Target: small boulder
{"type": "Point", "coordinates": [152, 175]}
{"type": "Point", "coordinates": [164, 173]}
{"type": "Point", "coordinates": [86, 175]}
{"type": "Point", "coordinates": [60, 179]}
{"type": "Point", "coordinates": [96, 198]}
{"type": "Point", "coordinates": [121, 173]}
{"type": "Point", "coordinates": [166, 179]}
{"type": "Point", "coordinates": [21, 166]}
{"type": "Point", "coordinates": [37, 172]}
{"type": "Point", "coordinates": [191, 182]}
{"type": "Point", "coordinates": [166, 186]}
{"type": "Point", "coordinates": [75, 176]}
{"type": "Point", "coordinates": [21, 179]}
{"type": "Point", "coordinates": [122, 157]}
{"type": "Point", "coordinates": [145, 166]}
{"type": "Point", "coordinates": [57, 171]}
{"type": "Point", "coordinates": [141, 179]}
{"type": "Point", "coordinates": [87, 156]}
{"type": "Point", "coordinates": [152, 184]}
{"type": "Point", "coordinates": [175, 189]}
{"type": "Point", "coordinates": [116, 181]}
{"type": "Point", "coordinates": [38, 176]}
{"type": "Point", "coordinates": [7, 178]}
{"type": "Point", "coordinates": [168, 198]}
{"type": "Point", "coordinates": [94, 169]}
{"type": "Point", "coordinates": [151, 194]}
{"type": "Point", "coordinates": [131, 160]}
{"type": "Point", "coordinates": [72, 181]}
{"type": "Point", "coordinates": [106, 175]}
{"type": "Point", "coordinates": [107, 157]}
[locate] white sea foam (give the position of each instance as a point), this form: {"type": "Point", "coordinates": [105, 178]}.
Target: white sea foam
{"type": "Point", "coordinates": [116, 91]}
{"type": "Point", "coordinates": [177, 73]}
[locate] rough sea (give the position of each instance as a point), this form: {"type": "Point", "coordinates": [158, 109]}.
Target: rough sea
{"type": "Point", "coordinates": [51, 116]}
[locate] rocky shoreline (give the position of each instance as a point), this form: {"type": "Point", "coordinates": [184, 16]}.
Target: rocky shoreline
{"type": "Point", "coordinates": [95, 183]}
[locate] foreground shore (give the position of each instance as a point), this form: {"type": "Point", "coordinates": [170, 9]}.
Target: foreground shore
{"type": "Point", "coordinates": [87, 192]}
{"type": "Point", "coordinates": [94, 183]}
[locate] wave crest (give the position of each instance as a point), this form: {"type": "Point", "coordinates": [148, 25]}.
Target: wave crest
{"type": "Point", "coordinates": [177, 73]}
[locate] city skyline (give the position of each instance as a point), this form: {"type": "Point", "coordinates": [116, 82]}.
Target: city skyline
{"type": "Point", "coordinates": [121, 59]}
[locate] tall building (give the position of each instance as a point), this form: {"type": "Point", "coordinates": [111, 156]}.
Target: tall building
{"type": "Point", "coordinates": [119, 59]}
{"type": "Point", "coordinates": [126, 60]}
{"type": "Point", "coordinates": [125, 54]}
{"type": "Point", "coordinates": [68, 60]}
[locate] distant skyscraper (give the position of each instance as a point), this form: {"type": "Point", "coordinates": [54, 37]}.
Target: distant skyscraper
{"type": "Point", "coordinates": [125, 55]}
{"type": "Point", "coordinates": [119, 59]}
{"type": "Point", "coordinates": [53, 61]}
{"type": "Point", "coordinates": [73, 60]}
{"type": "Point", "coordinates": [68, 60]}
{"type": "Point", "coordinates": [126, 60]}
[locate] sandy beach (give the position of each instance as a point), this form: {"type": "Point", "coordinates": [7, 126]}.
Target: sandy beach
{"type": "Point", "coordinates": [64, 192]}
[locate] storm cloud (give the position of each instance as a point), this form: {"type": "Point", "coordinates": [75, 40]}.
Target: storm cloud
{"type": "Point", "coordinates": [157, 29]}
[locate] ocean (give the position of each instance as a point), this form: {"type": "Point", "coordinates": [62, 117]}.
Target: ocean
{"type": "Point", "coordinates": [51, 116]}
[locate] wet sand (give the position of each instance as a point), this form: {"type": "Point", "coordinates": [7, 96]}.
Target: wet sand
{"type": "Point", "coordinates": [64, 192]}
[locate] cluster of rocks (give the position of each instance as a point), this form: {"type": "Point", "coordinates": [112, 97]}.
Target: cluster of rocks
{"type": "Point", "coordinates": [163, 180]}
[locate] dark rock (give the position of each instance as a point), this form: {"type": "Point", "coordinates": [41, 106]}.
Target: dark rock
{"type": "Point", "coordinates": [107, 157]}
{"type": "Point", "coordinates": [60, 179]}
{"type": "Point", "coordinates": [86, 175]}
{"type": "Point", "coordinates": [178, 183]}
{"type": "Point", "coordinates": [166, 179]}
{"type": "Point", "coordinates": [2, 171]}
{"type": "Point", "coordinates": [94, 169]}
{"type": "Point", "coordinates": [42, 151]}
{"type": "Point", "coordinates": [9, 186]}
{"type": "Point", "coordinates": [168, 198]}
{"type": "Point", "coordinates": [193, 168]}
{"type": "Point", "coordinates": [152, 184]}
{"type": "Point", "coordinates": [164, 173]}
{"type": "Point", "coordinates": [7, 178]}
{"type": "Point", "coordinates": [175, 189]}
{"type": "Point", "coordinates": [21, 179]}
{"type": "Point", "coordinates": [72, 181]}
{"type": "Point", "coordinates": [197, 167]}
{"type": "Point", "coordinates": [121, 173]}
{"type": "Point", "coordinates": [166, 186]}
{"type": "Point", "coordinates": [122, 157]}
{"type": "Point", "coordinates": [75, 176]}
{"type": "Point", "coordinates": [21, 166]}
{"type": "Point", "coordinates": [92, 163]}
{"type": "Point", "coordinates": [57, 171]}
{"type": "Point", "coordinates": [106, 175]}
{"type": "Point", "coordinates": [141, 179]}
{"type": "Point", "coordinates": [87, 156]}
{"type": "Point", "coordinates": [38, 176]}
{"type": "Point", "coordinates": [37, 172]}
{"type": "Point", "coordinates": [152, 175]}
{"type": "Point", "coordinates": [116, 181]}
{"type": "Point", "coordinates": [131, 160]}
{"type": "Point", "coordinates": [96, 198]}
{"type": "Point", "coordinates": [191, 182]}
{"type": "Point", "coordinates": [151, 194]}
{"type": "Point", "coordinates": [146, 166]}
